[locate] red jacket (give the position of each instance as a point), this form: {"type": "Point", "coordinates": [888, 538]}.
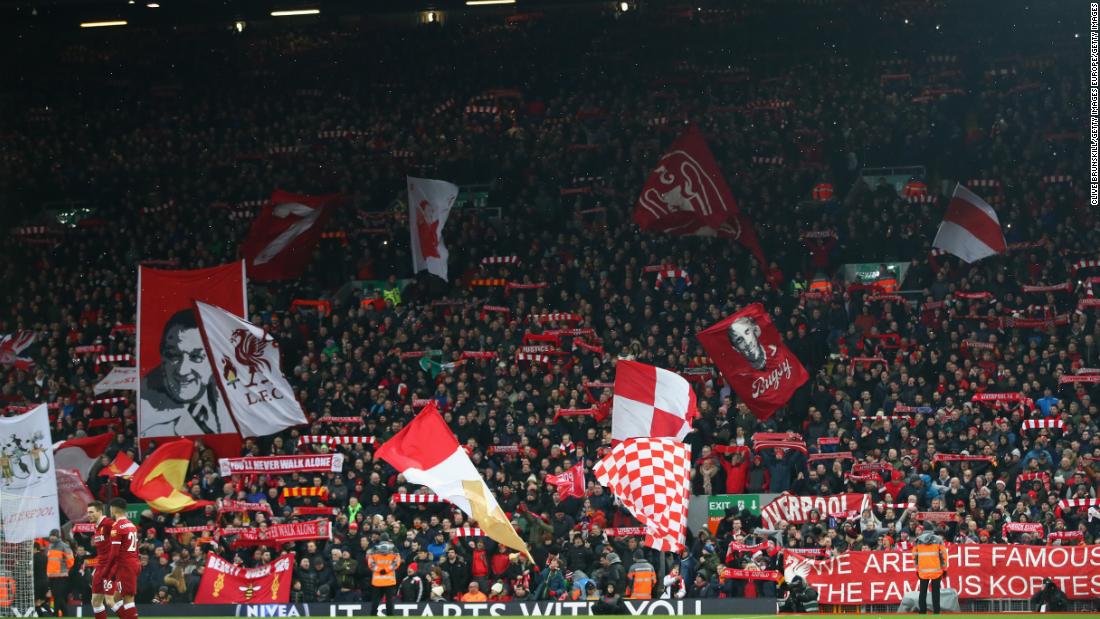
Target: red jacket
{"type": "Point", "coordinates": [499, 564]}
{"type": "Point", "coordinates": [479, 564]}
{"type": "Point", "coordinates": [737, 475]}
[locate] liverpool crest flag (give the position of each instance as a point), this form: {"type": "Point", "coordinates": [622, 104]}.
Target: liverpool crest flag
{"type": "Point", "coordinates": [430, 203]}
{"type": "Point", "coordinates": [245, 361]}
{"type": "Point", "coordinates": [686, 194]}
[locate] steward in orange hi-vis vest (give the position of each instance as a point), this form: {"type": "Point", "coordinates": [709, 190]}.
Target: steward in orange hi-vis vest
{"type": "Point", "coordinates": [931, 559]}
{"type": "Point", "coordinates": [383, 561]}
{"type": "Point", "coordinates": [641, 578]}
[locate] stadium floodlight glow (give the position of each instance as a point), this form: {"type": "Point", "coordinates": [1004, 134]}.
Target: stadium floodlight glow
{"type": "Point", "coordinates": [294, 12]}
{"type": "Point", "coordinates": [103, 24]}
{"type": "Point", "coordinates": [486, 2]}
{"type": "Point", "coordinates": [152, 5]}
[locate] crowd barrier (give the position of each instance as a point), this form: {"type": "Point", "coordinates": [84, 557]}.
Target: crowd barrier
{"type": "Point", "coordinates": [729, 606]}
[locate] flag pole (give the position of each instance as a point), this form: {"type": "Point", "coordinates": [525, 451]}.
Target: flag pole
{"type": "Point", "coordinates": [661, 573]}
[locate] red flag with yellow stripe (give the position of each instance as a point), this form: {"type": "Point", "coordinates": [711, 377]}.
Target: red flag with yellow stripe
{"type": "Point", "coordinates": [159, 481]}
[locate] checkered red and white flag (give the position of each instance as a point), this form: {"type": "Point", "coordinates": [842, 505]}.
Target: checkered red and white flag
{"type": "Point", "coordinates": [651, 476]}
{"type": "Point", "coordinates": [650, 401]}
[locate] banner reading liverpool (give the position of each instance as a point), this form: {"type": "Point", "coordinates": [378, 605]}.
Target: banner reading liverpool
{"type": "Point", "coordinates": [747, 350]}
{"type": "Point", "coordinates": [790, 508]}
{"type": "Point", "coordinates": [28, 478]}
{"type": "Point", "coordinates": [430, 203]}
{"type": "Point", "coordinates": [245, 361]}
{"type": "Point", "coordinates": [177, 393]}
{"type": "Point", "coordinates": [686, 194]}
{"type": "Point", "coordinates": [974, 570]}
{"type": "Point", "coordinates": [225, 583]}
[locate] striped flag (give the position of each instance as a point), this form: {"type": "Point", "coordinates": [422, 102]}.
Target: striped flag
{"type": "Point", "coordinates": [970, 228]}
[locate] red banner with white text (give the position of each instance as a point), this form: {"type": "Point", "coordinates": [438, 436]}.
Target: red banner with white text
{"type": "Point", "coordinates": [279, 534]}
{"type": "Point", "coordinates": [225, 583]}
{"type": "Point", "coordinates": [974, 570]}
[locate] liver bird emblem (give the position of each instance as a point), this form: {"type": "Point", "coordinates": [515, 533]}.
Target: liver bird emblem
{"type": "Point", "coordinates": [249, 351]}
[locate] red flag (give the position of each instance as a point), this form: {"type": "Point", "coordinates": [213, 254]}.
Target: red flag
{"type": "Point", "coordinates": [122, 466]}
{"type": "Point", "coordinates": [748, 352]}
{"type": "Point", "coordinates": [569, 483]}
{"type": "Point", "coordinates": [686, 194]}
{"type": "Point", "coordinates": [282, 238]}
{"type": "Point", "coordinates": [81, 453]}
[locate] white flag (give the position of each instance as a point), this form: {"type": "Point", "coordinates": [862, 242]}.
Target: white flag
{"type": "Point", "coordinates": [430, 203]}
{"type": "Point", "coordinates": [28, 477]}
{"type": "Point", "coordinates": [120, 378]}
{"type": "Point", "coordinates": [245, 362]}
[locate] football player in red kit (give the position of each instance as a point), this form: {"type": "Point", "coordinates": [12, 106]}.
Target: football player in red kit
{"type": "Point", "coordinates": [123, 565]}
{"type": "Point", "coordinates": [102, 588]}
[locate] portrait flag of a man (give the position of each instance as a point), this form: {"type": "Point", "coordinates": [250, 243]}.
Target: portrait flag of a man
{"type": "Point", "coordinates": [747, 350]}
{"type": "Point", "coordinates": [177, 394]}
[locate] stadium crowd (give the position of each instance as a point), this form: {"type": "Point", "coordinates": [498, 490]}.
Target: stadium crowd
{"type": "Point", "coordinates": [159, 167]}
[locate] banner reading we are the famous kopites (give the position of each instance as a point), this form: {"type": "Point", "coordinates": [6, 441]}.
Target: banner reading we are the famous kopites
{"type": "Point", "coordinates": [974, 570]}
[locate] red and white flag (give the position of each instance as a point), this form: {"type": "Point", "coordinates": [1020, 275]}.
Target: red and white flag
{"type": "Point", "coordinates": [650, 402]}
{"type": "Point", "coordinates": [651, 476]}
{"type": "Point", "coordinates": [123, 466]}
{"type": "Point", "coordinates": [11, 345]}
{"type": "Point", "coordinates": [569, 483]}
{"type": "Point", "coordinates": [282, 238]}
{"type": "Point", "coordinates": [686, 194]}
{"type": "Point", "coordinates": [426, 452]}
{"type": "Point", "coordinates": [747, 350]}
{"type": "Point", "coordinates": [245, 363]}
{"type": "Point", "coordinates": [970, 228]}
{"type": "Point", "coordinates": [81, 453]}
{"type": "Point", "coordinates": [430, 203]}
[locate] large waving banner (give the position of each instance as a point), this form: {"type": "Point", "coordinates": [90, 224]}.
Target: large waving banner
{"type": "Point", "coordinates": [790, 508]}
{"type": "Point", "coordinates": [177, 394]}
{"type": "Point", "coordinates": [974, 570]}
{"type": "Point", "coordinates": [225, 583]}
{"type": "Point", "coordinates": [28, 478]}
{"type": "Point", "coordinates": [749, 352]}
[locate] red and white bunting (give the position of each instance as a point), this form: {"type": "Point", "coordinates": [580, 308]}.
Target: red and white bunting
{"type": "Point", "coordinates": [112, 359]}
{"type": "Point", "coordinates": [672, 274]}
{"type": "Point", "coordinates": [775, 161]}
{"type": "Point", "coordinates": [319, 439]}
{"type": "Point", "coordinates": [556, 317]}
{"type": "Point", "coordinates": [1037, 424]}
{"type": "Point", "coordinates": [487, 260]}
{"type": "Point", "coordinates": [460, 532]}
{"type": "Point", "coordinates": [405, 497]}
{"type": "Point", "coordinates": [533, 358]}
